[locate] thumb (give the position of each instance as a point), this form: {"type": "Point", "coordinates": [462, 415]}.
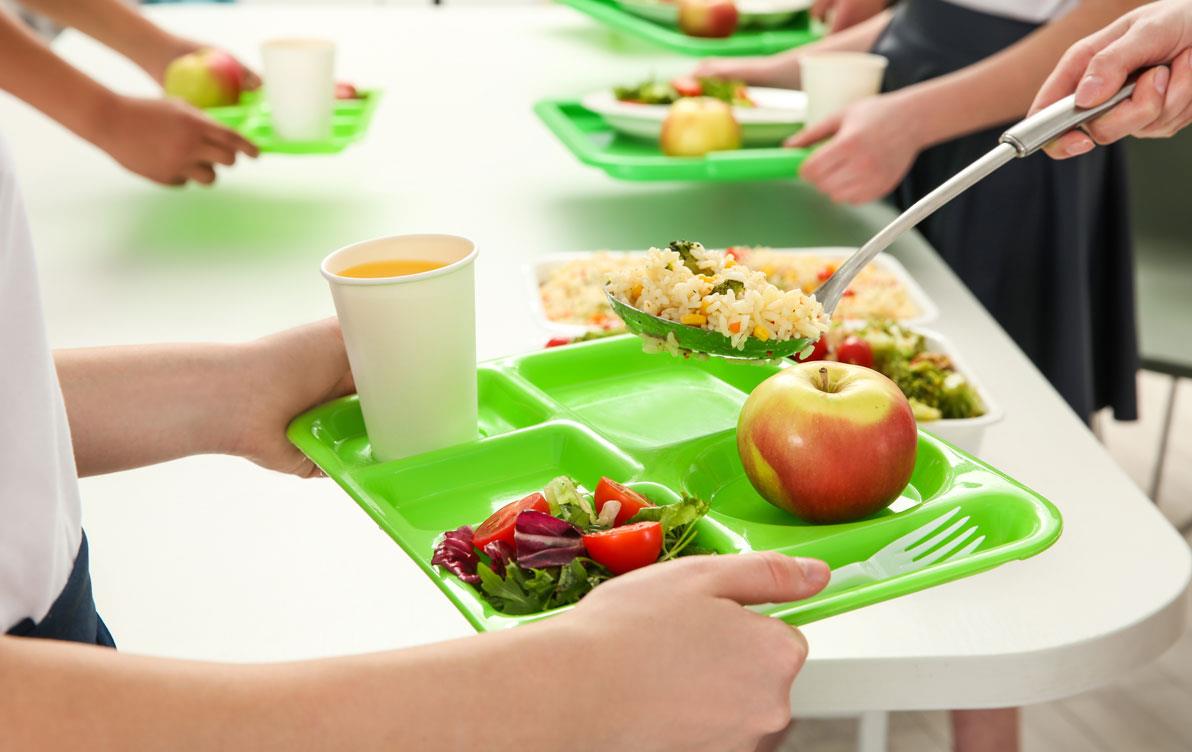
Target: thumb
{"type": "Point", "coordinates": [816, 132]}
{"type": "Point", "coordinates": [767, 577]}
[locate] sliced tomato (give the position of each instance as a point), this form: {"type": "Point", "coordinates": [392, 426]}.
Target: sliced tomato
{"type": "Point", "coordinates": [631, 501]}
{"type": "Point", "coordinates": [687, 86]}
{"type": "Point", "coordinates": [558, 341]}
{"type": "Point", "coordinates": [499, 525]}
{"type": "Point", "coordinates": [626, 548]}
{"type": "Point", "coordinates": [819, 352]}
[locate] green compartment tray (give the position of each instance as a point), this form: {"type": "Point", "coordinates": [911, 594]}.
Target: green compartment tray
{"type": "Point", "coordinates": [667, 425]}
{"type": "Point", "coordinates": [744, 42]}
{"type": "Point", "coordinates": [597, 144]}
{"type": "Point", "coordinates": [349, 123]}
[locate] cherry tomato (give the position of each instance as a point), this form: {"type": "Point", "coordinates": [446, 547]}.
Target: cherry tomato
{"type": "Point", "coordinates": [631, 501]}
{"type": "Point", "coordinates": [687, 86]}
{"type": "Point", "coordinates": [624, 549]}
{"type": "Point", "coordinates": [499, 525]}
{"type": "Point", "coordinates": [558, 341]}
{"type": "Point", "coordinates": [819, 352]}
{"type": "Point", "coordinates": [856, 351]}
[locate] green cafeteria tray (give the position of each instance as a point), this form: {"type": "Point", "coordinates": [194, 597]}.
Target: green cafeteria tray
{"type": "Point", "coordinates": [667, 425]}
{"type": "Point", "coordinates": [743, 42]}
{"type": "Point", "coordinates": [250, 117]}
{"type": "Point", "coordinates": [595, 143]}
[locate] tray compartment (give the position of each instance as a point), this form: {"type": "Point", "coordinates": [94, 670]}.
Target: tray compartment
{"type": "Point", "coordinates": [642, 401]}
{"type": "Point", "coordinates": [716, 474]}
{"type": "Point", "coordinates": [462, 485]}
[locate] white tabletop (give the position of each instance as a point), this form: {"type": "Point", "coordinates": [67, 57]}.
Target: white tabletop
{"type": "Point", "coordinates": [213, 558]}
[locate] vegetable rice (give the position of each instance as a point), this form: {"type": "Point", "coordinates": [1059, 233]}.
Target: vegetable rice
{"type": "Point", "coordinates": [691, 285]}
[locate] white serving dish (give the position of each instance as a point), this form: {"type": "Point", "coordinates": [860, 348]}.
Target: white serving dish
{"type": "Point", "coordinates": [965, 433]}
{"type": "Point", "coordinates": [537, 272]}
{"type": "Point", "coordinates": [763, 14]}
{"type": "Point", "coordinates": [778, 114]}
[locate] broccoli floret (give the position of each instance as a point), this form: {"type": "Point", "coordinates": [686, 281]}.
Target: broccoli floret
{"type": "Point", "coordinates": [685, 250]}
{"type": "Point", "coordinates": [736, 285]}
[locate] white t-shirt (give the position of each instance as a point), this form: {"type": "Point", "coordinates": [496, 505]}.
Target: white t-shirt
{"type": "Point", "coordinates": [1034, 11]}
{"type": "Point", "coordinates": [40, 518]}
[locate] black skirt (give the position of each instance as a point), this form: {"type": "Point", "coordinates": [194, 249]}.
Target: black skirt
{"type": "Point", "coordinates": [1044, 245]}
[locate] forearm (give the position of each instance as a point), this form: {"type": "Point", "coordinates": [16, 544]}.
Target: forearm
{"type": "Point", "coordinates": [1001, 87]}
{"type": "Point", "coordinates": [450, 695]}
{"type": "Point", "coordinates": [139, 405]}
{"type": "Point", "coordinates": [31, 72]}
{"type": "Point", "coordinates": [118, 25]}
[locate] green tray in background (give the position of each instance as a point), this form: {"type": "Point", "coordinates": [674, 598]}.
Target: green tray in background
{"type": "Point", "coordinates": [666, 425]}
{"type": "Point", "coordinates": [743, 42]}
{"type": "Point", "coordinates": [597, 144]}
{"type": "Point", "coordinates": [349, 123]}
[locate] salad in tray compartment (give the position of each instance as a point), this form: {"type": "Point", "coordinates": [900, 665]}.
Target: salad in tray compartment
{"type": "Point", "coordinates": [653, 91]}
{"type": "Point", "coordinates": [551, 548]}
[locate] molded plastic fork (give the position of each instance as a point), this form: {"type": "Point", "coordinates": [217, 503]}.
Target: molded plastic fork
{"type": "Point", "coordinates": [916, 550]}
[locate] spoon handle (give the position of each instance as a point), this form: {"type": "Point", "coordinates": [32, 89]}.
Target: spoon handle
{"type": "Point", "coordinates": [1020, 140]}
{"type": "Point", "coordinates": [830, 292]}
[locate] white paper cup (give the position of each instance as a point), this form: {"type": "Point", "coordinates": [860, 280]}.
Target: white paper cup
{"type": "Point", "coordinates": [834, 80]}
{"type": "Point", "coordinates": [411, 342]}
{"type": "Point", "coordinates": [300, 87]}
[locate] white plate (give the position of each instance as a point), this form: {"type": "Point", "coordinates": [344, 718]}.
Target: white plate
{"type": "Point", "coordinates": [758, 13]}
{"type": "Point", "coordinates": [778, 114]}
{"type": "Point", "coordinates": [541, 268]}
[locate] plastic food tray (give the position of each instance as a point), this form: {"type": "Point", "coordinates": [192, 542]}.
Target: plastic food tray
{"type": "Point", "coordinates": [539, 271]}
{"type": "Point", "coordinates": [667, 425]}
{"type": "Point", "coordinates": [349, 123]}
{"type": "Point", "coordinates": [597, 144]}
{"type": "Point", "coordinates": [743, 42]}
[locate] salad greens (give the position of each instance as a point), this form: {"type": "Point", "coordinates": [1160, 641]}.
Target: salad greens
{"type": "Point", "coordinates": [542, 563]}
{"type": "Point", "coordinates": [929, 380]}
{"type": "Point", "coordinates": [653, 91]}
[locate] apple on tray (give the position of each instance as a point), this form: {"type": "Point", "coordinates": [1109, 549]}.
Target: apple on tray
{"type": "Point", "coordinates": [695, 126]}
{"type": "Point", "coordinates": [714, 19]}
{"type": "Point", "coordinates": [205, 78]}
{"type": "Point", "coordinates": [828, 442]}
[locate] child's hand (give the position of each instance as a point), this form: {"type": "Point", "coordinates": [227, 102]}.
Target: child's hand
{"type": "Point", "coordinates": [778, 71]}
{"type": "Point", "coordinates": [870, 151]}
{"type": "Point", "coordinates": [284, 375]}
{"type": "Point", "coordinates": [167, 141]}
{"type": "Point", "coordinates": [841, 14]}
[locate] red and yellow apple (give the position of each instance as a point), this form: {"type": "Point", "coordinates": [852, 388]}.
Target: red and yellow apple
{"type": "Point", "coordinates": [714, 19]}
{"type": "Point", "coordinates": [206, 78]}
{"type": "Point", "coordinates": [695, 126]}
{"type": "Point", "coordinates": [828, 442]}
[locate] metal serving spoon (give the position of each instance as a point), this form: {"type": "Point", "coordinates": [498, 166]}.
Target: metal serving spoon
{"type": "Point", "coordinates": [1021, 140]}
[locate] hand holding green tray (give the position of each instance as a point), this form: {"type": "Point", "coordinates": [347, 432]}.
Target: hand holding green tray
{"type": "Point", "coordinates": [350, 122]}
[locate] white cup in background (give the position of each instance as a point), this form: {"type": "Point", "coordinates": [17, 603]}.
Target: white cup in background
{"type": "Point", "coordinates": [834, 80]}
{"type": "Point", "coordinates": [300, 87]}
{"type": "Point", "coordinates": [411, 342]}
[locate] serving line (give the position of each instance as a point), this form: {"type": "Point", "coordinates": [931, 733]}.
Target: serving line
{"type": "Point", "coordinates": [277, 568]}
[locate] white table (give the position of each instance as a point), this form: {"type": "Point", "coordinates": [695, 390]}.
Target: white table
{"type": "Point", "coordinates": [212, 558]}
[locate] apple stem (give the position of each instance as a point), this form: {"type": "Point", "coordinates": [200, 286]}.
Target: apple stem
{"type": "Point", "coordinates": [824, 384]}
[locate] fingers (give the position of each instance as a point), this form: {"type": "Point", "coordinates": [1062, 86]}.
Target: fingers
{"type": "Point", "coordinates": [815, 132]}
{"type": "Point", "coordinates": [1108, 69]}
{"type": "Point", "coordinates": [1071, 144]}
{"type": "Point", "coordinates": [230, 139]}
{"type": "Point", "coordinates": [203, 174]}
{"type": "Point", "coordinates": [215, 154]}
{"type": "Point", "coordinates": [1072, 65]}
{"type": "Point", "coordinates": [251, 81]}
{"type": "Point", "coordinates": [762, 577]}
{"type": "Point", "coordinates": [1140, 110]}
{"type": "Point", "coordinates": [819, 9]}
{"type": "Point", "coordinates": [1176, 101]}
